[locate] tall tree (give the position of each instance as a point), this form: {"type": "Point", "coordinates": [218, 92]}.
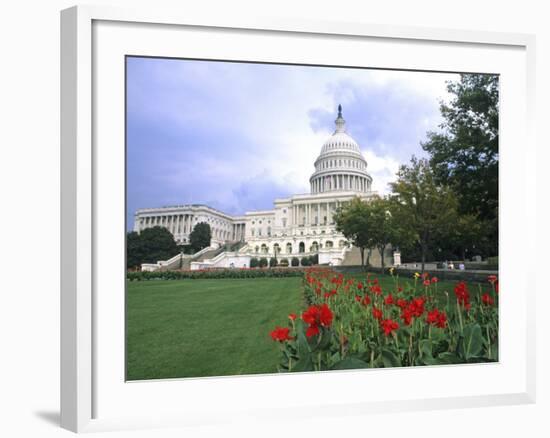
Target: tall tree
{"type": "Point", "coordinates": [464, 154]}
{"type": "Point", "coordinates": [421, 206]}
{"type": "Point", "coordinates": [352, 220]}
{"type": "Point", "coordinates": [201, 236]}
{"type": "Point", "coordinates": [150, 246]}
{"type": "Point", "coordinates": [385, 229]}
{"type": "Point", "coordinates": [134, 250]}
{"type": "Point", "coordinates": [381, 230]}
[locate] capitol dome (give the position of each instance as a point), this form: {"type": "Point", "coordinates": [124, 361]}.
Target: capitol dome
{"type": "Point", "coordinates": [340, 166]}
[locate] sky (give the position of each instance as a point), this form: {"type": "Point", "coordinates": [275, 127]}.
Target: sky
{"type": "Point", "coordinates": [236, 136]}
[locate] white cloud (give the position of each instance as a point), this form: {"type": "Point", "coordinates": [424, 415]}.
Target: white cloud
{"type": "Point", "coordinates": [262, 117]}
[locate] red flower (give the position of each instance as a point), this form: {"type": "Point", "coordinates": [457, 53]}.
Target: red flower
{"type": "Point", "coordinates": [492, 278]}
{"type": "Point", "coordinates": [389, 299]}
{"type": "Point", "coordinates": [426, 282]}
{"type": "Point", "coordinates": [358, 298]}
{"type": "Point", "coordinates": [388, 326]}
{"type": "Point", "coordinates": [402, 303]}
{"type": "Point", "coordinates": [315, 316]}
{"type": "Point", "coordinates": [365, 301]}
{"type": "Point", "coordinates": [406, 316]}
{"type": "Point", "coordinates": [359, 285]}
{"type": "Point", "coordinates": [292, 316]}
{"type": "Point", "coordinates": [280, 334]}
{"type": "Point", "coordinates": [377, 313]}
{"type": "Point", "coordinates": [462, 294]}
{"type": "Point", "coordinates": [376, 289]}
{"type": "Point", "coordinates": [437, 318]}
{"type": "Point", "coordinates": [325, 316]}
{"type": "Point", "coordinates": [434, 280]}
{"type": "Point", "coordinates": [487, 299]}
{"type": "Point", "coordinates": [416, 306]}
{"type": "Point", "coordinates": [425, 275]}
{"type": "Point", "coordinates": [312, 330]}
{"type": "Point", "coordinates": [399, 289]}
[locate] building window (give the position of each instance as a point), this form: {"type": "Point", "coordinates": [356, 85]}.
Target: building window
{"type": "Point", "coordinates": [284, 222]}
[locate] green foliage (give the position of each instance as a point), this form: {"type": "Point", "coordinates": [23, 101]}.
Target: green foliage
{"type": "Point", "coordinates": [283, 263]}
{"type": "Point", "coordinates": [295, 261]}
{"type": "Point", "coordinates": [254, 262]}
{"type": "Point", "coordinates": [149, 246]}
{"type": "Point", "coordinates": [134, 251]}
{"type": "Point", "coordinates": [492, 260]}
{"type": "Point", "coordinates": [314, 259]}
{"type": "Point", "coordinates": [305, 261]}
{"type": "Point", "coordinates": [352, 220]}
{"type": "Point", "coordinates": [273, 262]}
{"type": "Point", "coordinates": [214, 274]}
{"type": "Point", "coordinates": [464, 154]}
{"type": "Point", "coordinates": [263, 262]}
{"type": "Point", "coordinates": [423, 208]}
{"type": "Point", "coordinates": [200, 237]}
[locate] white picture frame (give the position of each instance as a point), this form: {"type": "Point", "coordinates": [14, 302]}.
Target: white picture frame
{"type": "Point", "coordinates": [85, 375]}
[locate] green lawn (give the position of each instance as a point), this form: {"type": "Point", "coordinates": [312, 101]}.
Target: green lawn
{"type": "Point", "coordinates": [194, 328]}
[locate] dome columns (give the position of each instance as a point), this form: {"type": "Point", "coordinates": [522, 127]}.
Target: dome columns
{"type": "Point", "coordinates": [341, 182]}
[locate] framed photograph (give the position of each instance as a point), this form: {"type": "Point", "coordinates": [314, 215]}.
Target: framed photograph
{"type": "Point", "coordinates": [260, 208]}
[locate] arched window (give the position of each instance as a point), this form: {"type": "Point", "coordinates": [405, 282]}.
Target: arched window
{"type": "Point", "coordinates": [276, 249]}
{"type": "Point", "coordinates": [341, 243]}
{"type": "Point", "coordinates": [289, 248]}
{"type": "Point", "coordinates": [314, 247]}
{"type": "Point", "coordinates": [264, 248]}
{"type": "Point", "coordinates": [302, 247]}
{"type": "Point", "coordinates": [328, 244]}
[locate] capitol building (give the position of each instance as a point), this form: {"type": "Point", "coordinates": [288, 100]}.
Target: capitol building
{"type": "Point", "coordinates": [297, 226]}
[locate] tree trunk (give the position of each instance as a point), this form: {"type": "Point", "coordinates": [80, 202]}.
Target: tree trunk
{"type": "Point", "coordinates": [381, 250]}
{"type": "Point", "coordinates": [369, 251]}
{"type": "Point", "coordinates": [362, 252]}
{"type": "Point", "coordinates": [424, 249]}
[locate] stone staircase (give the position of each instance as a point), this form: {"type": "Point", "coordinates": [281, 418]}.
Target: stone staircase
{"type": "Point", "coordinates": [207, 255]}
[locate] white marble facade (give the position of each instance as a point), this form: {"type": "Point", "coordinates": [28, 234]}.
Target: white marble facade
{"type": "Point", "coordinates": [298, 225]}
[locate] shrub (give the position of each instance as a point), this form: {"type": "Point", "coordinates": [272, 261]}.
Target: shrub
{"type": "Point", "coordinates": [263, 262]}
{"type": "Point", "coordinates": [283, 263]}
{"type": "Point", "coordinates": [306, 261]}
{"type": "Point", "coordinates": [493, 261]}
{"type": "Point", "coordinates": [314, 259]}
{"type": "Point", "coordinates": [254, 262]}
{"type": "Point", "coordinates": [221, 273]}
{"type": "Point", "coordinates": [273, 262]}
{"type": "Point", "coordinates": [295, 261]}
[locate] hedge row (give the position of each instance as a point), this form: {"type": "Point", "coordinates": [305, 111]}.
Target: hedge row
{"type": "Point", "coordinates": [284, 262]}
{"type": "Point", "coordinates": [215, 273]}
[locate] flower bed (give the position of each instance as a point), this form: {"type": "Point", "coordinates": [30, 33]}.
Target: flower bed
{"type": "Point", "coordinates": [350, 324]}
{"type": "Point", "coordinates": [215, 273]}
